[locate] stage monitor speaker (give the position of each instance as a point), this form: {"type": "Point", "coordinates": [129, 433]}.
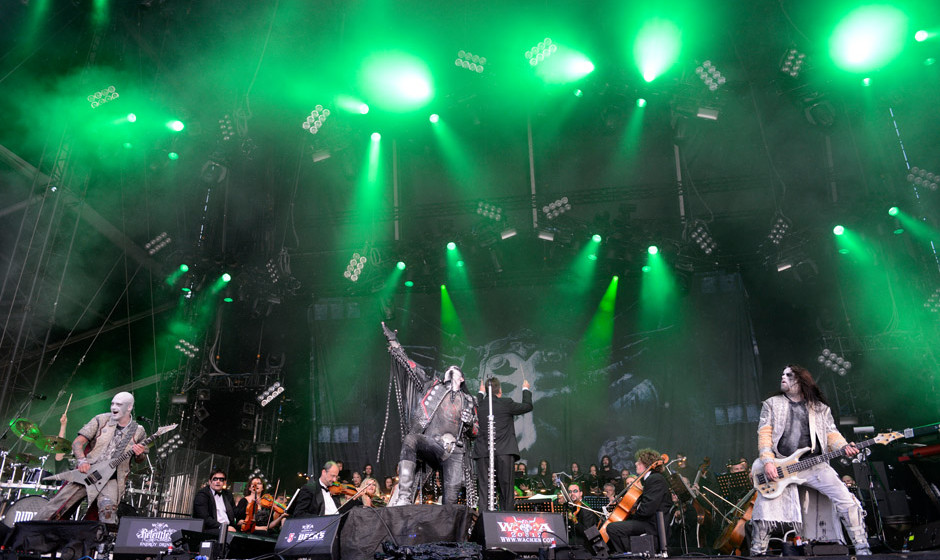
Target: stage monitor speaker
{"type": "Point", "coordinates": [309, 537]}
{"type": "Point", "coordinates": [243, 545]}
{"type": "Point", "coordinates": [925, 537]}
{"type": "Point", "coordinates": [643, 545]}
{"type": "Point", "coordinates": [69, 539]}
{"type": "Point", "coordinates": [522, 532]}
{"type": "Point", "coordinates": [150, 536]}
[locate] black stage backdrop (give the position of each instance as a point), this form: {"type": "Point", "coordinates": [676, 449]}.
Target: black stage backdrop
{"type": "Point", "coordinates": [686, 381]}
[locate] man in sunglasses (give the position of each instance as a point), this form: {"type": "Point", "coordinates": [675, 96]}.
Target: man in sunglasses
{"type": "Point", "coordinates": [214, 504]}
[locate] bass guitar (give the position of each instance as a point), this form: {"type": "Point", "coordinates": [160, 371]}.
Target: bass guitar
{"type": "Point", "coordinates": [788, 468]}
{"type": "Point", "coordinates": [100, 472]}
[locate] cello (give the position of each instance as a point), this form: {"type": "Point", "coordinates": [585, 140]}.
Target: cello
{"type": "Point", "coordinates": [627, 499]}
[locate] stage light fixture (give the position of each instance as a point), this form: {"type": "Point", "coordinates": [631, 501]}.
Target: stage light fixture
{"type": "Point", "coordinates": [541, 51]}
{"type": "Point", "coordinates": [893, 211]}
{"type": "Point", "coordinates": [376, 136]}
{"type": "Point", "coordinates": [226, 277]}
{"type": "Point", "coordinates": [270, 394]}
{"type": "Point", "coordinates": [409, 283]}
{"type": "Point", "coordinates": [710, 75]}
{"type": "Point", "coordinates": [834, 362]}
{"type": "Point", "coordinates": [507, 233]}
{"type": "Point", "coordinates": [556, 208]}
{"type": "Point", "coordinates": [933, 302]}
{"type": "Point", "coordinates": [702, 237]}
{"type": "Point", "coordinates": [451, 246]}
{"type": "Point", "coordinates": [838, 230]}
{"type": "Point", "coordinates": [273, 273]}
{"type": "Point", "coordinates": [131, 117]}
{"type": "Point", "coordinates": [640, 102]}
{"type": "Point", "coordinates": [99, 98]}
{"type": "Point", "coordinates": [173, 156]}
{"type": "Point", "coordinates": [779, 230]}
{"type": "Point", "coordinates": [176, 125]}
{"type": "Point", "coordinates": [490, 211]}
{"type": "Point", "coordinates": [707, 113]}
{"type": "Point", "coordinates": [652, 249]}
{"type": "Point", "coordinates": [355, 266]}
{"type": "Point", "coordinates": [226, 128]}
{"type": "Point", "coordinates": [434, 118]}
{"type": "Point", "coordinates": [400, 265]}
{"type": "Point", "coordinates": [596, 238]}
{"type": "Point", "coordinates": [547, 235]}
{"type": "Point", "coordinates": [316, 119]}
{"type": "Point", "coordinates": [157, 243]}
{"type": "Point", "coordinates": [187, 348]}
{"type": "Point", "coordinates": [469, 61]}
{"type": "Point", "coordinates": [921, 35]}
{"type": "Point", "coordinates": [792, 63]}
{"type": "Point", "coordinates": [922, 178]}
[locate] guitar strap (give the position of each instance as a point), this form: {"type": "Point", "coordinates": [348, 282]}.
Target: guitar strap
{"type": "Point", "coordinates": [120, 446]}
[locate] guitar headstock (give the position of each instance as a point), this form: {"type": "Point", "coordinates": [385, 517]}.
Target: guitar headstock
{"type": "Point", "coordinates": [887, 437]}
{"type": "Point", "coordinates": [164, 429]}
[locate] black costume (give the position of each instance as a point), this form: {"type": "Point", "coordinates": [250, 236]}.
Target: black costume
{"type": "Point", "coordinates": [655, 497]}
{"type": "Point", "coordinates": [439, 424]}
{"type": "Point", "coordinates": [505, 446]}
{"type": "Point", "coordinates": [309, 501]}
{"type": "Point", "coordinates": [204, 507]}
{"type": "Point", "coordinates": [579, 520]}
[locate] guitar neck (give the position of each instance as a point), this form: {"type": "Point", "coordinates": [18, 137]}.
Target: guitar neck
{"type": "Point", "coordinates": [127, 454]}
{"type": "Point", "coordinates": [826, 457]}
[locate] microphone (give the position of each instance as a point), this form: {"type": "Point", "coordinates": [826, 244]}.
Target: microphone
{"type": "Point", "coordinates": [38, 396]}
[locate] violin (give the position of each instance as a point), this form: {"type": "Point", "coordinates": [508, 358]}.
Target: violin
{"type": "Point", "coordinates": [268, 501]}
{"type": "Point", "coordinates": [342, 489]}
{"type": "Point", "coordinates": [248, 525]}
{"type": "Point", "coordinates": [628, 499]}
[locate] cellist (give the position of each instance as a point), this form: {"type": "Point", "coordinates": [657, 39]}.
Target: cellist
{"type": "Point", "coordinates": [656, 497]}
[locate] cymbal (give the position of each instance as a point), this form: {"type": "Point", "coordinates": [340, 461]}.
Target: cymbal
{"type": "Point", "coordinates": [26, 429]}
{"type": "Point", "coordinates": [54, 444]}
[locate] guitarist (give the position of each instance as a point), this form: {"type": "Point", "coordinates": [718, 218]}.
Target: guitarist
{"type": "Point", "coordinates": [797, 417]}
{"type": "Point", "coordinates": [106, 436]}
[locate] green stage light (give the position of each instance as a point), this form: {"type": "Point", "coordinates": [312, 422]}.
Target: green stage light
{"type": "Point", "coordinates": [596, 238]}
{"type": "Point", "coordinates": [646, 268]}
{"type": "Point", "coordinates": [656, 48]}
{"type": "Point", "coordinates": [921, 36]}
{"type": "Point", "coordinates": [173, 156]}
{"type": "Point", "coordinates": [652, 249]}
{"type": "Point", "coordinates": [364, 109]}
{"type": "Point", "coordinates": [459, 264]}
{"type": "Point", "coordinates": [451, 246]}
{"type": "Point", "coordinates": [868, 38]}
{"type": "Point", "coordinates": [434, 117]}
{"type": "Point", "coordinates": [187, 290]}
{"type": "Point", "coordinates": [400, 265]}
{"type": "Point", "coordinates": [893, 211]}
{"type": "Point", "coordinates": [226, 277]}
{"type": "Point", "coordinates": [615, 278]}
{"type": "Point", "coordinates": [227, 300]}
{"type": "Point", "coordinates": [866, 82]}
{"type": "Point", "coordinates": [409, 283]}
{"type": "Point", "coordinates": [376, 136]}
{"type": "Point", "coordinates": [640, 102]}
{"type": "Point", "coordinates": [396, 81]}
{"type": "Point", "coordinates": [131, 117]}
{"type": "Point", "coordinates": [930, 61]}
{"type": "Point", "coordinates": [128, 145]}
{"type": "Point", "coordinates": [592, 257]}
{"type": "Point", "coordinates": [838, 230]}
{"type": "Point", "coordinates": [578, 93]}
{"type": "Point", "coordinates": [899, 231]}
{"type": "Point", "coordinates": [184, 267]}
{"type": "Point", "coordinates": [176, 126]}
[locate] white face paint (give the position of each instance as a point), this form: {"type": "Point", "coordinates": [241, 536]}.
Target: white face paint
{"type": "Point", "coordinates": [121, 406]}
{"type": "Point", "coordinates": [454, 377]}
{"type": "Point", "coordinates": [789, 383]}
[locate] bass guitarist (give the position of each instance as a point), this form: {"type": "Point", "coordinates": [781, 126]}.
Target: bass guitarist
{"type": "Point", "coordinates": [795, 418]}
{"type": "Point", "coordinates": [105, 437]}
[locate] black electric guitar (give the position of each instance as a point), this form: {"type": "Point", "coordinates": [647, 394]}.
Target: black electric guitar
{"type": "Point", "coordinates": [101, 471]}
{"type": "Point", "coordinates": [788, 467]}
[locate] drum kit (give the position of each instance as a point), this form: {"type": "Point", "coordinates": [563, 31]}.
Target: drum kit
{"type": "Point", "coordinates": [22, 489]}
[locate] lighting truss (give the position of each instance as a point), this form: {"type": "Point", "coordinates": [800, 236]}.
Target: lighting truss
{"type": "Point", "coordinates": [99, 98]}
{"type": "Point", "coordinates": [355, 266]}
{"type": "Point", "coordinates": [159, 242]}
{"type": "Point", "coordinates": [792, 63]}
{"type": "Point", "coordinates": [556, 208]}
{"type": "Point", "coordinates": [779, 230]}
{"type": "Point", "coordinates": [833, 361]}
{"type": "Point", "coordinates": [315, 119]}
{"type": "Point", "coordinates": [170, 446]}
{"type": "Point", "coordinates": [541, 51]}
{"type": "Point", "coordinates": [922, 178]}
{"type": "Point", "coordinates": [470, 61]}
{"type": "Point", "coordinates": [490, 211]}
{"type": "Point", "coordinates": [270, 394]}
{"type": "Point", "coordinates": [710, 75]}
{"type": "Point", "coordinates": [700, 235]}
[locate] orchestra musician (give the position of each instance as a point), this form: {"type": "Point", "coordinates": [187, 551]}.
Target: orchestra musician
{"type": "Point", "coordinates": [656, 497]}
{"type": "Point", "coordinates": [314, 498]}
{"type": "Point", "coordinates": [578, 516]}
{"type": "Point", "coordinates": [264, 517]}
{"type": "Point", "coordinates": [505, 445]}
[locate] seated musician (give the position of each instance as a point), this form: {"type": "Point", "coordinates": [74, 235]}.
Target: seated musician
{"type": "Point", "coordinates": [578, 516]}
{"type": "Point", "coordinates": [265, 519]}
{"type": "Point", "coordinates": [610, 492]}
{"type": "Point", "coordinates": [367, 496]}
{"type": "Point", "coordinates": [655, 498]}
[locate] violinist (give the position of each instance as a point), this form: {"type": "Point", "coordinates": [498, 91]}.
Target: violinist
{"type": "Point", "coordinates": [578, 516]}
{"type": "Point", "coordinates": [258, 513]}
{"type": "Point", "coordinates": [655, 498]}
{"type": "Point", "coordinates": [315, 497]}
{"type": "Point", "coordinates": [365, 496]}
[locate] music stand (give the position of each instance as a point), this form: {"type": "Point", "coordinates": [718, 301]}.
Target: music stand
{"type": "Point", "coordinates": [732, 485]}
{"type": "Point", "coordinates": [678, 487]}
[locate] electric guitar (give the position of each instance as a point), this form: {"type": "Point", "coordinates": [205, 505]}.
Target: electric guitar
{"type": "Point", "coordinates": [101, 471]}
{"type": "Point", "coordinates": [789, 467]}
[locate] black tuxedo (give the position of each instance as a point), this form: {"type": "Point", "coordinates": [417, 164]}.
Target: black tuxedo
{"type": "Point", "coordinates": [309, 501]}
{"type": "Point", "coordinates": [505, 445]}
{"type": "Point", "coordinates": [656, 497]}
{"type": "Point", "coordinates": [204, 508]}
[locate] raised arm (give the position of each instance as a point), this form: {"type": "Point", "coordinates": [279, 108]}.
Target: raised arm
{"type": "Point", "coordinates": [415, 372]}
